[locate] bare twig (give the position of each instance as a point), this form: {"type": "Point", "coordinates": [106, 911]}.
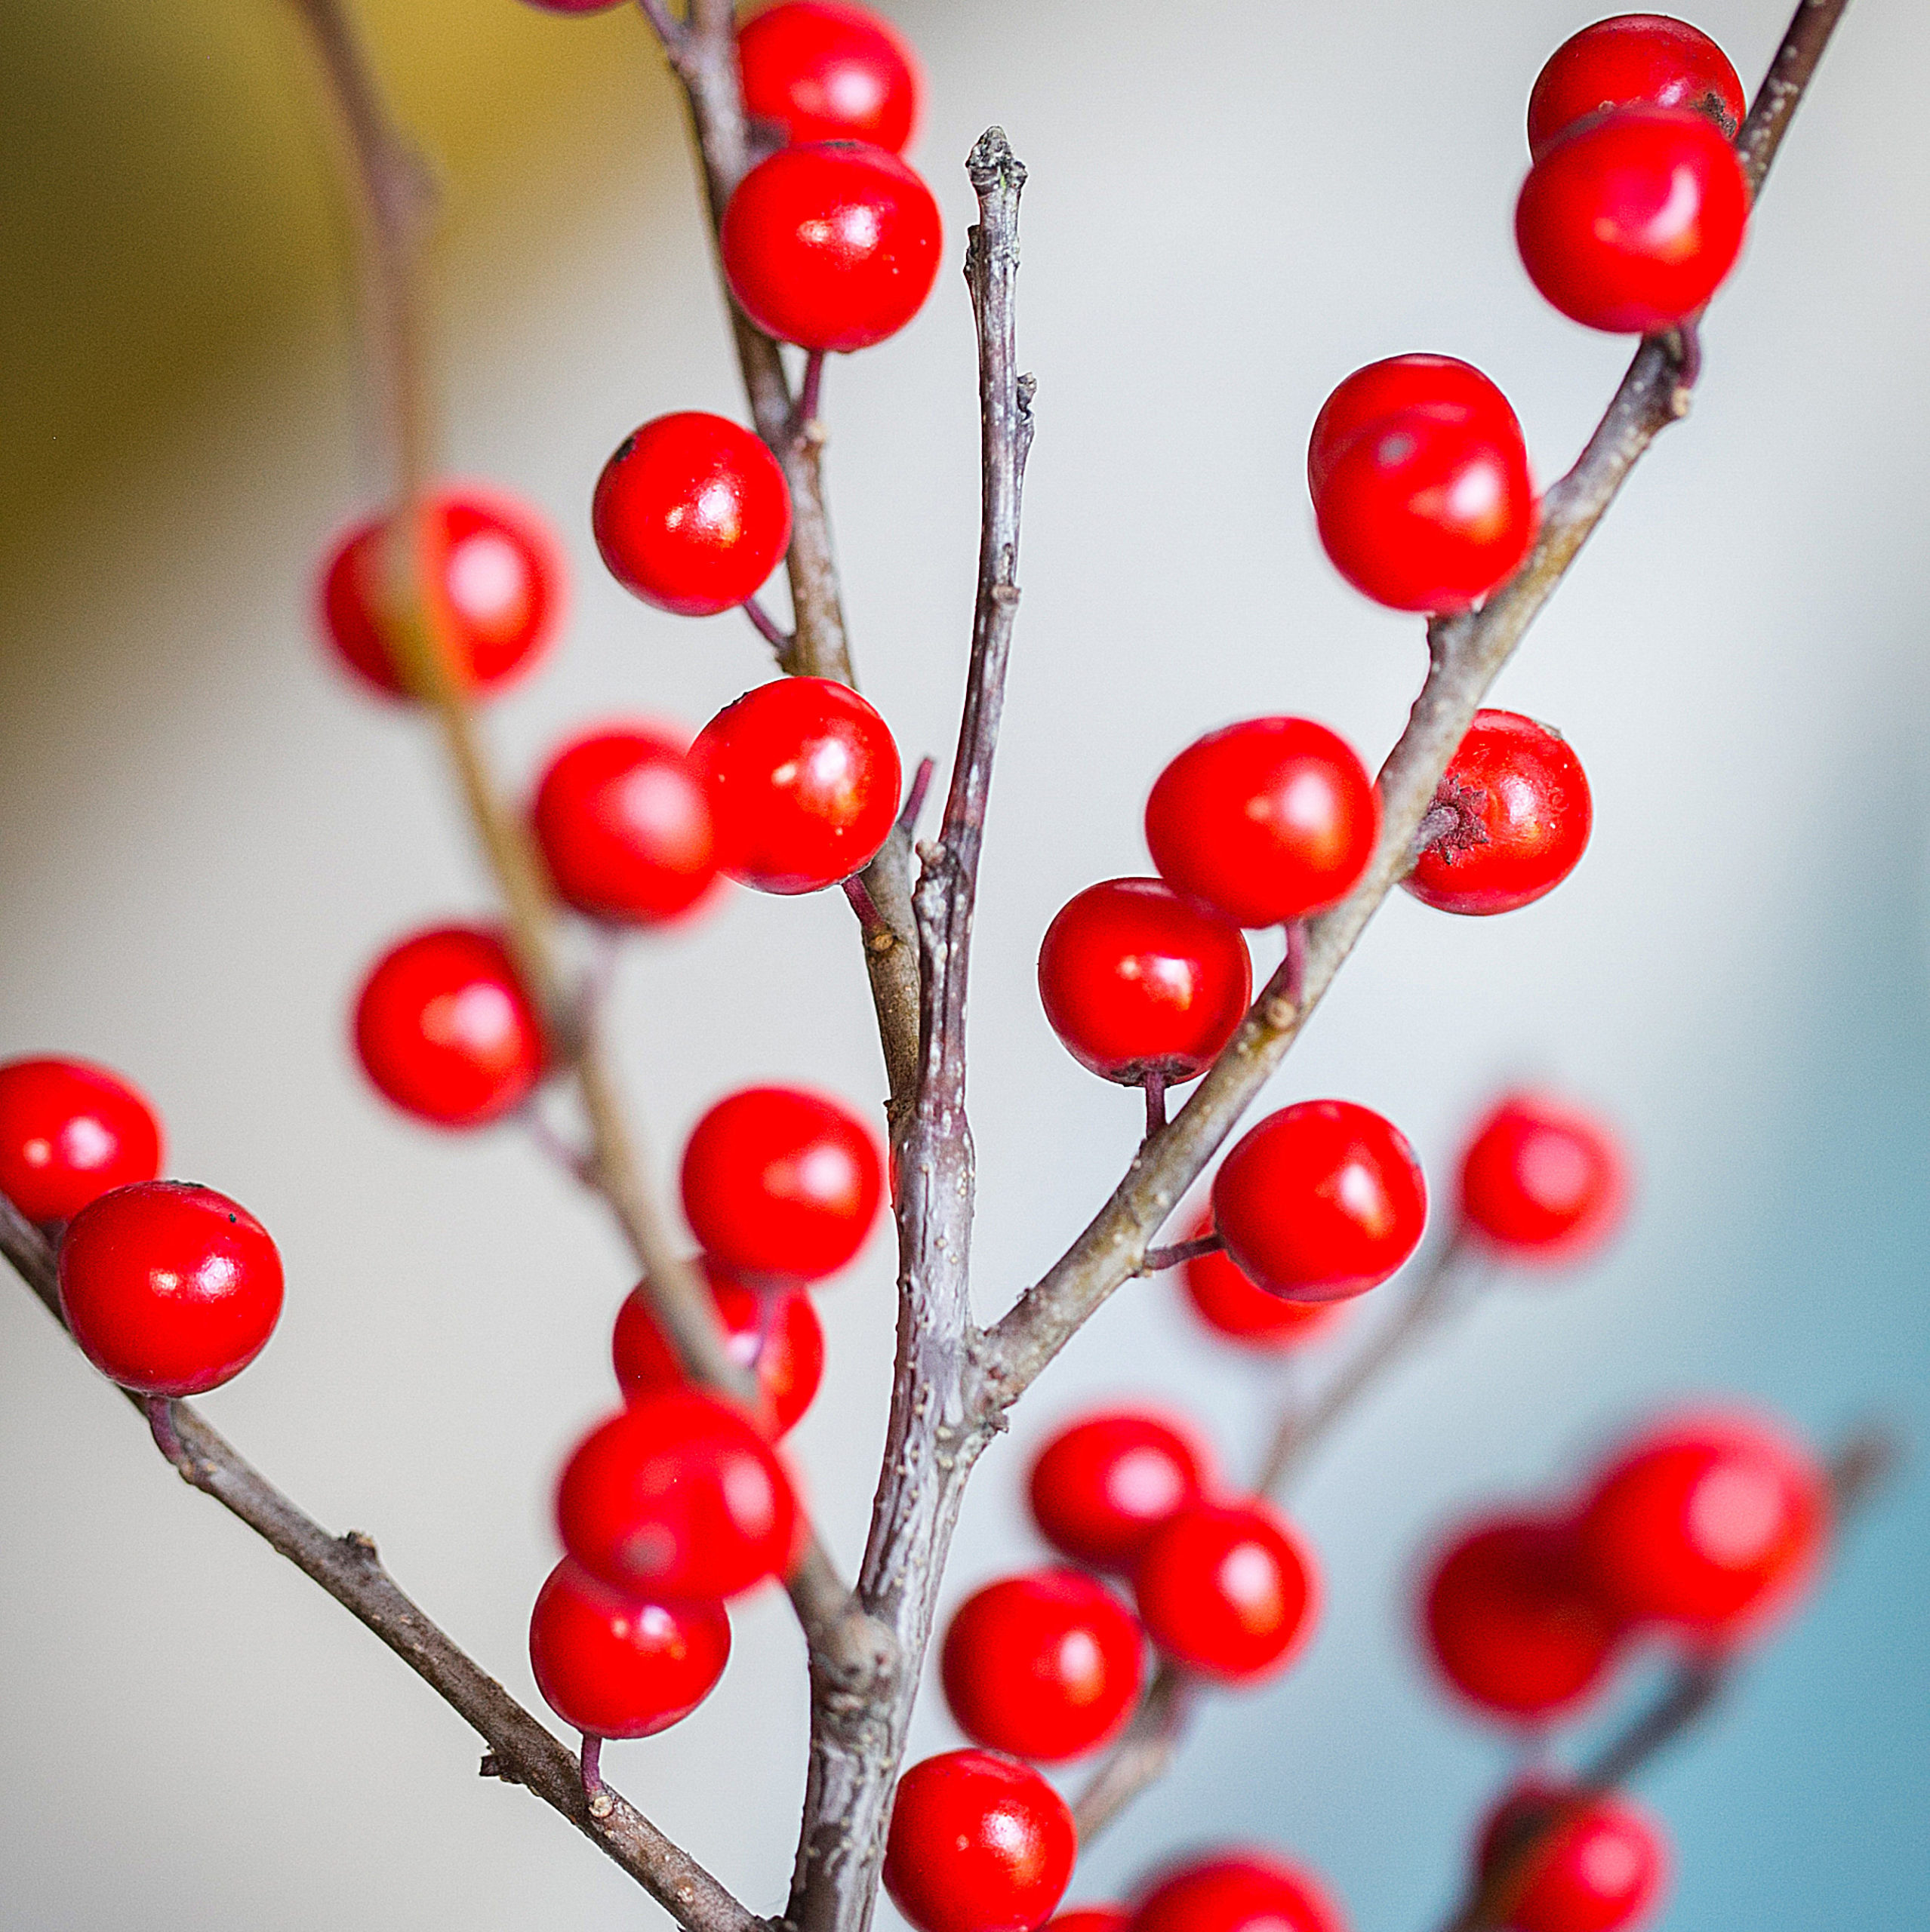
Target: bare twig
{"type": "Point", "coordinates": [1141, 1755]}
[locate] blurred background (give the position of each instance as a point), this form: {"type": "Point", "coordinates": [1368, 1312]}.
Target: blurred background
{"type": "Point", "coordinates": [207, 836]}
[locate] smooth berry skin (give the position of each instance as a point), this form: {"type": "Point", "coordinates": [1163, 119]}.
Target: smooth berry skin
{"type": "Point", "coordinates": [1102, 1485]}
{"type": "Point", "coordinates": [1633, 60]}
{"type": "Point", "coordinates": [1712, 1526]}
{"type": "Point", "coordinates": [626, 827]}
{"type": "Point", "coordinates": [1091, 1918]}
{"type": "Point", "coordinates": [1137, 981]}
{"type": "Point", "coordinates": [678, 1498]}
{"type": "Point", "coordinates": [69, 1133]}
{"type": "Point", "coordinates": [691, 514]}
{"type": "Point", "coordinates": [833, 245]}
{"type": "Point", "coordinates": [1424, 514]}
{"type": "Point", "coordinates": [804, 778]}
{"type": "Point", "coordinates": [1239, 1890]}
{"type": "Point", "coordinates": [823, 71]}
{"type": "Point", "coordinates": [1264, 821]}
{"type": "Point", "coordinates": [170, 1289]}
{"type": "Point", "coordinates": [611, 1665]}
{"type": "Point", "coordinates": [1046, 1666]}
{"type": "Point", "coordinates": [1630, 222]}
{"type": "Point", "coordinates": [1514, 1623]}
{"type": "Point", "coordinates": [1543, 1183]}
{"type": "Point", "coordinates": [1602, 1867]}
{"type": "Point", "coordinates": [781, 1185]}
{"type": "Point", "coordinates": [502, 593]}
{"type": "Point", "coordinates": [445, 1031]}
{"type": "Point", "coordinates": [775, 1331]}
{"type": "Point", "coordinates": [1320, 1201]}
{"type": "Point", "coordinates": [1245, 1315]}
{"type": "Point", "coordinates": [1441, 387]}
{"type": "Point", "coordinates": [1523, 815]}
{"type": "Point", "coordinates": [978, 1843]}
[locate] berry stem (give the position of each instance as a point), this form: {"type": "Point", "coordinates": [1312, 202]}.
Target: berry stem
{"type": "Point", "coordinates": [863, 904]}
{"type": "Point", "coordinates": [1155, 1084]}
{"type": "Point", "coordinates": [915, 796]}
{"type": "Point", "coordinates": [160, 1409]}
{"type": "Point", "coordinates": [808, 421]}
{"type": "Point", "coordinates": [670, 30]}
{"type": "Point", "coordinates": [768, 628]}
{"type": "Point", "coordinates": [1159, 1260]}
{"type": "Point", "coordinates": [590, 1763]}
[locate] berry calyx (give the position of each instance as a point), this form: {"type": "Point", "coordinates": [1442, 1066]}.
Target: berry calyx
{"type": "Point", "coordinates": [804, 778]}
{"type": "Point", "coordinates": [824, 72]}
{"type": "Point", "coordinates": [978, 1843]}
{"type": "Point", "coordinates": [1137, 981]}
{"type": "Point", "coordinates": [1516, 807]}
{"type": "Point", "coordinates": [1542, 1182]}
{"type": "Point", "coordinates": [1246, 1314]}
{"type": "Point", "coordinates": [498, 573]}
{"type": "Point", "coordinates": [832, 245]}
{"type": "Point", "coordinates": [445, 1031]}
{"type": "Point", "coordinates": [170, 1289]}
{"type": "Point", "coordinates": [1265, 821]}
{"type": "Point", "coordinates": [691, 514]}
{"type": "Point", "coordinates": [780, 1184]}
{"type": "Point", "coordinates": [1629, 222]}
{"type": "Point", "coordinates": [1239, 1890]}
{"type": "Point", "coordinates": [69, 1133]}
{"type": "Point", "coordinates": [611, 1665]}
{"type": "Point", "coordinates": [1598, 1863]}
{"type": "Point", "coordinates": [1320, 1201]}
{"type": "Point", "coordinates": [1046, 1665]}
{"type": "Point", "coordinates": [677, 1498]}
{"type": "Point", "coordinates": [1441, 387]}
{"type": "Point", "coordinates": [1633, 60]}
{"type": "Point", "coordinates": [1102, 1485]}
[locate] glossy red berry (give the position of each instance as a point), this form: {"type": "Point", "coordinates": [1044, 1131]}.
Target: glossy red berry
{"type": "Point", "coordinates": [69, 1133]}
{"type": "Point", "coordinates": [804, 779]}
{"type": "Point", "coordinates": [779, 1184]}
{"type": "Point", "coordinates": [1440, 387]}
{"type": "Point", "coordinates": [1234, 1307]}
{"type": "Point", "coordinates": [1102, 1485]}
{"type": "Point", "coordinates": [1630, 222]}
{"type": "Point", "coordinates": [444, 1030]}
{"type": "Point", "coordinates": [1136, 980]}
{"type": "Point", "coordinates": [501, 578]}
{"type": "Point", "coordinates": [978, 1843]}
{"type": "Point", "coordinates": [824, 72]}
{"type": "Point", "coordinates": [611, 1665]}
{"type": "Point", "coordinates": [1320, 1201]}
{"type": "Point", "coordinates": [832, 245]}
{"type": "Point", "coordinates": [1633, 60]}
{"type": "Point", "coordinates": [1046, 1665]}
{"type": "Point", "coordinates": [1265, 821]}
{"type": "Point", "coordinates": [1238, 1891]}
{"type": "Point", "coordinates": [169, 1289]}
{"type": "Point", "coordinates": [1091, 1918]}
{"type": "Point", "coordinates": [775, 1331]}
{"type": "Point", "coordinates": [1713, 1524]}
{"type": "Point", "coordinates": [1543, 1182]}
{"type": "Point", "coordinates": [1567, 1862]}
{"type": "Point", "coordinates": [1512, 1621]}
{"type": "Point", "coordinates": [691, 514]}
{"type": "Point", "coordinates": [1516, 803]}
{"type": "Point", "coordinates": [678, 1497]}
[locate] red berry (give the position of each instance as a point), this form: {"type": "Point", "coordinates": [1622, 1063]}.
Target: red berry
{"type": "Point", "coordinates": [1421, 512]}
{"type": "Point", "coordinates": [1521, 818]}
{"type": "Point", "coordinates": [1544, 1183]}
{"type": "Point", "coordinates": [780, 1184]}
{"type": "Point", "coordinates": [1136, 981]}
{"type": "Point", "coordinates": [625, 825]}
{"type": "Point", "coordinates": [1238, 1891]}
{"type": "Point", "coordinates": [978, 1843]}
{"type": "Point", "coordinates": [832, 245]}
{"type": "Point", "coordinates": [444, 1030]}
{"type": "Point", "coordinates": [1320, 1201]}
{"type": "Point", "coordinates": [1101, 1486]}
{"type": "Point", "coordinates": [1713, 1525]}
{"type": "Point", "coordinates": [611, 1665]}
{"type": "Point", "coordinates": [1440, 387]}
{"type": "Point", "coordinates": [169, 1289]}
{"type": "Point", "coordinates": [823, 71]}
{"type": "Point", "coordinates": [1633, 60]}
{"type": "Point", "coordinates": [804, 779]}
{"type": "Point", "coordinates": [677, 1498]}
{"type": "Point", "coordinates": [692, 514]}
{"type": "Point", "coordinates": [1232, 1307]}
{"type": "Point", "coordinates": [1629, 222]}
{"type": "Point", "coordinates": [501, 578]}
{"type": "Point", "coordinates": [1602, 1866]}
{"type": "Point", "coordinates": [774, 1331]}
{"type": "Point", "coordinates": [575, 6]}
{"type": "Point", "coordinates": [1091, 1918]}
{"type": "Point", "coordinates": [69, 1133]}
{"type": "Point", "coordinates": [1265, 821]}
{"type": "Point", "coordinates": [1046, 1665]}
{"type": "Point", "coordinates": [1512, 1622]}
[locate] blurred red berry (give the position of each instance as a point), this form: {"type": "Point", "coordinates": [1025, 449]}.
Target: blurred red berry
{"type": "Point", "coordinates": [573, 6]}
{"type": "Point", "coordinates": [1598, 1863]}
{"type": "Point", "coordinates": [69, 1133]}
{"type": "Point", "coordinates": [1091, 1918]}
{"type": "Point", "coordinates": [1238, 1891]}
{"type": "Point", "coordinates": [1440, 387]}
{"type": "Point", "coordinates": [1102, 1485]}
{"type": "Point", "coordinates": [824, 72]}
{"type": "Point", "coordinates": [1633, 60]}
{"type": "Point", "coordinates": [1246, 1314]}
{"type": "Point", "coordinates": [1544, 1183]}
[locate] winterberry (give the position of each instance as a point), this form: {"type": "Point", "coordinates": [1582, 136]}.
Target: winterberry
{"type": "Point", "coordinates": [824, 72]}
{"type": "Point", "coordinates": [1562, 1860]}
{"type": "Point", "coordinates": [1102, 1485]}
{"type": "Point", "coordinates": [1246, 1314]}
{"type": "Point", "coordinates": [1238, 1891]}
{"type": "Point", "coordinates": [1091, 1918]}
{"type": "Point", "coordinates": [573, 6]}
{"type": "Point", "coordinates": [1441, 387]}
{"type": "Point", "coordinates": [69, 1133]}
{"type": "Point", "coordinates": [1633, 60]}
{"type": "Point", "coordinates": [1542, 1182]}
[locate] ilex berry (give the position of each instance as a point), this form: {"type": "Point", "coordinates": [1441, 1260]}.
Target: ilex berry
{"type": "Point", "coordinates": [1091, 1918]}
{"type": "Point", "coordinates": [1441, 387]}
{"type": "Point", "coordinates": [823, 71]}
{"type": "Point", "coordinates": [1567, 1860]}
{"type": "Point", "coordinates": [1543, 1183]}
{"type": "Point", "coordinates": [1239, 1890]}
{"type": "Point", "coordinates": [1633, 60]}
{"type": "Point", "coordinates": [69, 1133]}
{"type": "Point", "coordinates": [1246, 1314]}
{"type": "Point", "coordinates": [1102, 1485]}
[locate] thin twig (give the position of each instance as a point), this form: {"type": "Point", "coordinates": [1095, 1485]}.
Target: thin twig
{"type": "Point", "coordinates": [1159, 1260]}
{"type": "Point", "coordinates": [1155, 1083]}
{"type": "Point", "coordinates": [1140, 1757]}
{"type": "Point", "coordinates": [768, 628]}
